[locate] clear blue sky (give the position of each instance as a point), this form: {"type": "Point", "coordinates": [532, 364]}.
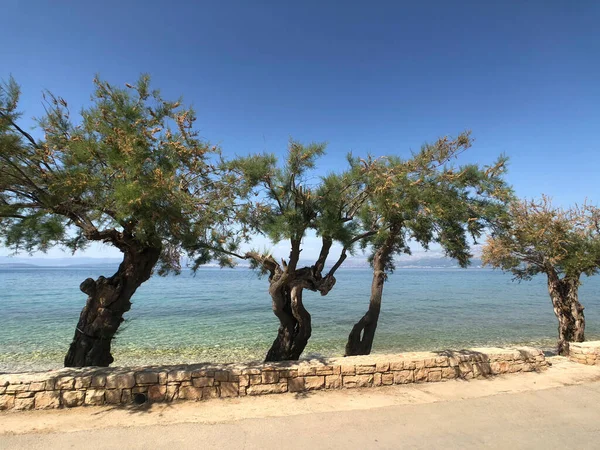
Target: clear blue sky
{"type": "Point", "coordinates": [380, 77]}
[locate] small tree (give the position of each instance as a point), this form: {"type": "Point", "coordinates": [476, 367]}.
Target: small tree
{"type": "Point", "coordinates": [282, 204]}
{"type": "Point", "coordinates": [418, 200]}
{"type": "Point", "coordinates": [132, 174]}
{"type": "Point", "coordinates": [538, 238]}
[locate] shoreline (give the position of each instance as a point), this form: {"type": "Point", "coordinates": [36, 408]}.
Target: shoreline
{"type": "Point", "coordinates": [168, 357]}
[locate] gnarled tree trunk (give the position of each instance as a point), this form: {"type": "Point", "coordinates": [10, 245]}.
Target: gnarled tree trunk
{"type": "Point", "coordinates": [294, 325]}
{"type": "Point", "coordinates": [360, 340]}
{"type": "Point", "coordinates": [108, 300]}
{"type": "Point", "coordinates": [568, 311]}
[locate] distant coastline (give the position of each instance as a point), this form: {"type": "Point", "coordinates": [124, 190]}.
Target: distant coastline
{"type": "Point", "coordinates": [354, 263]}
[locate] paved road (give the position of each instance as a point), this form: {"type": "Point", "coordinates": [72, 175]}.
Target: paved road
{"type": "Point", "coordinates": [555, 418]}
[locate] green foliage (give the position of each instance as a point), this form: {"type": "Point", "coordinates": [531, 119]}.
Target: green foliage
{"type": "Point", "coordinates": [537, 237]}
{"type": "Point", "coordinates": [280, 204]}
{"type": "Point", "coordinates": [132, 168]}
{"type": "Point", "coordinates": [422, 199]}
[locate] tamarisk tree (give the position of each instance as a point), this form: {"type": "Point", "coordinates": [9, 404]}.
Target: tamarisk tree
{"type": "Point", "coordinates": [130, 173]}
{"type": "Point", "coordinates": [283, 205]}
{"type": "Point", "coordinates": [422, 200]}
{"type": "Point", "coordinates": [563, 244]}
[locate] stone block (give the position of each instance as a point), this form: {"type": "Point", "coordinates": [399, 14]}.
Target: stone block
{"type": "Point", "coordinates": [119, 381]}
{"type": "Point", "coordinates": [464, 368]}
{"type": "Point", "coordinates": [162, 378]}
{"type": "Point", "coordinates": [37, 386]}
{"type": "Point", "coordinates": [333, 381]}
{"type": "Point", "coordinates": [156, 393]}
{"type": "Point", "coordinates": [229, 389]}
{"type": "Point", "coordinates": [203, 381]}
{"type": "Point", "coordinates": [442, 361]}
{"type": "Point", "coordinates": [112, 396]}
{"type": "Point", "coordinates": [146, 378]}
{"type": "Point", "coordinates": [190, 393]}
{"type": "Point", "coordinates": [71, 399]}
{"type": "Point", "coordinates": [296, 384]}
{"type": "Point", "coordinates": [324, 370]}
{"type": "Point", "coordinates": [364, 380]}
{"type": "Point", "coordinates": [306, 371]}
{"type": "Point", "coordinates": [203, 373]}
{"type": "Point", "coordinates": [98, 381]}
{"type": "Point", "coordinates": [251, 371]}
{"type": "Point", "coordinates": [26, 394]}
{"type": "Point", "coordinates": [421, 374]}
{"type": "Point", "coordinates": [47, 400]}
{"type": "Point", "coordinates": [24, 404]}
{"type": "Point", "coordinates": [365, 369]}
{"type": "Point", "coordinates": [434, 375]}
{"type": "Point", "coordinates": [7, 402]}
{"type": "Point", "coordinates": [210, 392]}
{"type": "Point", "coordinates": [387, 379]}
{"type": "Point", "coordinates": [396, 366]}
{"type": "Point", "coordinates": [499, 367]}
{"type": "Point", "coordinates": [222, 375]}
{"type": "Point", "coordinates": [288, 373]}
{"type": "Point", "coordinates": [179, 375]}
{"type": "Point", "coordinates": [126, 396]}
{"type": "Point", "coordinates": [382, 367]}
{"type": "Point", "coordinates": [244, 380]}
{"type": "Point", "coordinates": [270, 376]}
{"type": "Point", "coordinates": [172, 392]}
{"type": "Point", "coordinates": [403, 376]}
{"type": "Point", "coordinates": [352, 381]}
{"type": "Point", "coordinates": [429, 362]}
{"type": "Point", "coordinates": [377, 379]}
{"type": "Point", "coordinates": [50, 384]}
{"type": "Point", "coordinates": [348, 370]}
{"type": "Point", "coordinates": [255, 379]}
{"type": "Point", "coordinates": [260, 389]}
{"type": "Point", "coordinates": [94, 396]}
{"type": "Point", "coordinates": [15, 388]}
{"type": "Point", "coordinates": [65, 383]}
{"type": "Point", "coordinates": [410, 365]}
{"type": "Point", "coordinates": [83, 382]}
{"type": "Point", "coordinates": [449, 373]}
{"type": "Point", "coordinates": [314, 382]}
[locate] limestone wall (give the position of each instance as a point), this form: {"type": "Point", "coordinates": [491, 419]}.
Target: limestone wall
{"type": "Point", "coordinates": [585, 352]}
{"type": "Point", "coordinates": [100, 386]}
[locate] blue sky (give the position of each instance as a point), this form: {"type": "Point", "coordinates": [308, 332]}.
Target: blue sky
{"type": "Point", "coordinates": [380, 77]}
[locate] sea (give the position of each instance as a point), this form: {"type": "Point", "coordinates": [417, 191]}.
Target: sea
{"type": "Point", "coordinates": [224, 315]}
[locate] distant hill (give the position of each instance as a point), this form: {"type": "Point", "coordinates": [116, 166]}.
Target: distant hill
{"type": "Point", "coordinates": [23, 262]}
{"type": "Point", "coordinates": [420, 262]}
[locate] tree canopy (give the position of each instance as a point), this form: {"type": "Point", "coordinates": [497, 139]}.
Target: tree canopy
{"type": "Point", "coordinates": [130, 165]}
{"type": "Point", "coordinates": [426, 200]}
{"type": "Point", "coordinates": [537, 237]}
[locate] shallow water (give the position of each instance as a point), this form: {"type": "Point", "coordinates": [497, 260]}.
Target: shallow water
{"type": "Point", "coordinates": [225, 315]}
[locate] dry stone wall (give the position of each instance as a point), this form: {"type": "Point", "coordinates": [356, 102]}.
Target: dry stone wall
{"type": "Point", "coordinates": [585, 352]}
{"type": "Point", "coordinates": [122, 386]}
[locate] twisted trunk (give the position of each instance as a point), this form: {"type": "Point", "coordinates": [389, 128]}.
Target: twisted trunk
{"type": "Point", "coordinates": [286, 287]}
{"type": "Point", "coordinates": [568, 311]}
{"type": "Point", "coordinates": [108, 300]}
{"type": "Point", "coordinates": [294, 325]}
{"type": "Point", "coordinates": [360, 340]}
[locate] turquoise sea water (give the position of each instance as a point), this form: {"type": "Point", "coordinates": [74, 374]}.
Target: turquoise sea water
{"type": "Point", "coordinates": [225, 315]}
